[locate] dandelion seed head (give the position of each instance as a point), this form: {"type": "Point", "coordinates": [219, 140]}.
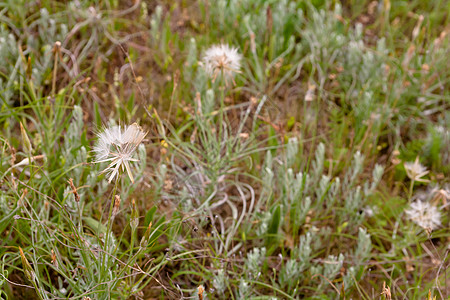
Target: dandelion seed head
{"type": "Point", "coordinates": [416, 170]}
{"type": "Point", "coordinates": [222, 60]}
{"type": "Point", "coordinates": [117, 145]}
{"type": "Point", "coordinates": [424, 214]}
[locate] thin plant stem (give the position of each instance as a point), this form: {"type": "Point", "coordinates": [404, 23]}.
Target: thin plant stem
{"type": "Point", "coordinates": [175, 84]}
{"type": "Point", "coordinates": [222, 107]}
{"type": "Point", "coordinates": [80, 212]}
{"type": "Point", "coordinates": [56, 49]}
{"type": "Point", "coordinates": [222, 87]}
{"type": "Point", "coordinates": [133, 232]}
{"type": "Point", "coordinates": [109, 222]}
{"type": "Point", "coordinates": [411, 186]}
{"type": "Point", "coordinates": [111, 206]}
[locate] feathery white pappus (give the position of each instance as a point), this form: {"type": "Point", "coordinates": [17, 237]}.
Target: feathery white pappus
{"type": "Point", "coordinates": [416, 170]}
{"type": "Point", "coordinates": [222, 60]}
{"type": "Point", "coordinates": [424, 214]}
{"type": "Point", "coordinates": [117, 146]}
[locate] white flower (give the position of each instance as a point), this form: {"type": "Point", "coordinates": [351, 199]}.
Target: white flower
{"type": "Point", "coordinates": [424, 214]}
{"type": "Point", "coordinates": [222, 60]}
{"type": "Point", "coordinates": [117, 147]}
{"type": "Point", "coordinates": [415, 170]}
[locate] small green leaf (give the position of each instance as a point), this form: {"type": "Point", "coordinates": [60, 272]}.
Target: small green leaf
{"type": "Point", "coordinates": [94, 224]}
{"type": "Point", "coordinates": [149, 216]}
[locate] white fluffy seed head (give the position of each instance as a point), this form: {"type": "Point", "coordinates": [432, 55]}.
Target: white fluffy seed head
{"type": "Point", "coordinates": [415, 170]}
{"type": "Point", "coordinates": [117, 145]}
{"type": "Point", "coordinates": [424, 214]}
{"type": "Point", "coordinates": [222, 60]}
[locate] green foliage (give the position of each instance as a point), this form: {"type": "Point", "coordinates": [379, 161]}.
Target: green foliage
{"type": "Point", "coordinates": [285, 182]}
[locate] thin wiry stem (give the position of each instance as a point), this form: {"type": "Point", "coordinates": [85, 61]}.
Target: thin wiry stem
{"type": "Point", "coordinates": [109, 223]}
